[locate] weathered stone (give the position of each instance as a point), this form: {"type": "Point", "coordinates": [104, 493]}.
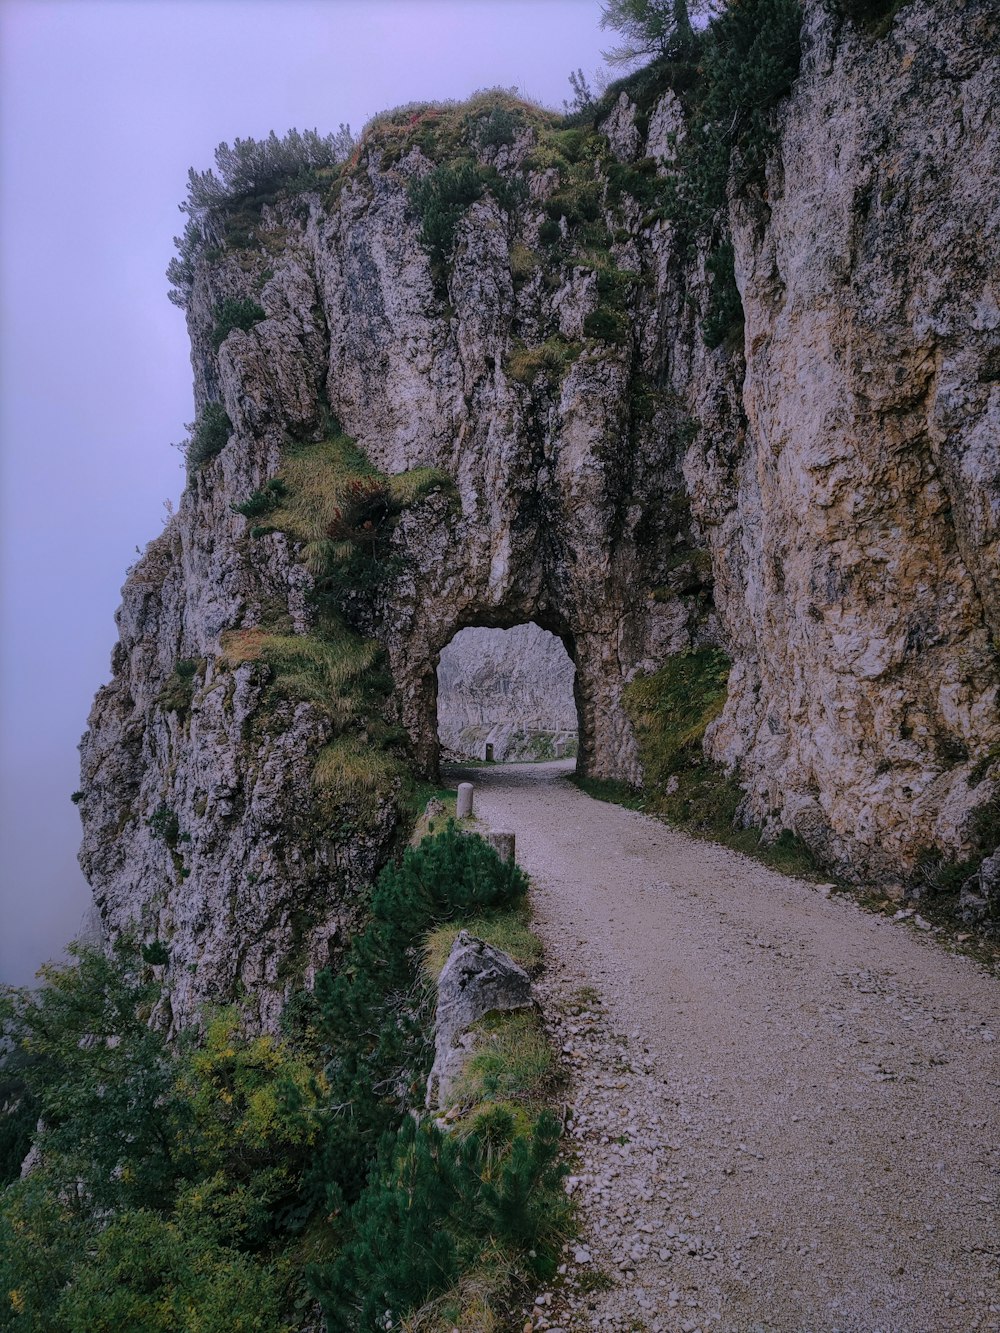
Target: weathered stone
{"type": "Point", "coordinates": [503, 844]}
{"type": "Point", "coordinates": [477, 980]}
{"type": "Point", "coordinates": [980, 894]}
{"type": "Point", "coordinates": [622, 131]}
{"type": "Point", "coordinates": [463, 805]}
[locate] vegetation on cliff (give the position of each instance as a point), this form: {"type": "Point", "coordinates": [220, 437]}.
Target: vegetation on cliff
{"type": "Point", "coordinates": [729, 75]}
{"type": "Point", "coordinates": [341, 513]}
{"type": "Point", "coordinates": [671, 709]}
{"type": "Point", "coordinates": [225, 1181]}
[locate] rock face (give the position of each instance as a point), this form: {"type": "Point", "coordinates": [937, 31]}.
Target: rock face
{"type": "Point", "coordinates": [511, 690]}
{"type": "Point", "coordinates": [822, 500]}
{"type": "Point", "coordinates": [854, 518]}
{"type": "Point", "coordinates": [477, 980]}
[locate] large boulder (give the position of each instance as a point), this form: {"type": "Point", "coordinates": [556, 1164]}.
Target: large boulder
{"type": "Point", "coordinates": [477, 980]}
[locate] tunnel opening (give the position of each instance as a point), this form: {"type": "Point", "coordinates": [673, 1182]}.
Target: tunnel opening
{"type": "Point", "coordinates": [507, 696]}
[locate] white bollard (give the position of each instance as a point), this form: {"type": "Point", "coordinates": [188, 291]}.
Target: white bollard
{"type": "Point", "coordinates": [463, 807]}
{"type": "Point", "coordinates": [502, 844]}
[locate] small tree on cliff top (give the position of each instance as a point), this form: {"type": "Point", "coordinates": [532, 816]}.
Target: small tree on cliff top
{"type": "Point", "coordinates": [653, 29]}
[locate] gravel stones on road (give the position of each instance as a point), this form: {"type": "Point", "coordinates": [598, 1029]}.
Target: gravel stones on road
{"type": "Point", "coordinates": [783, 1110]}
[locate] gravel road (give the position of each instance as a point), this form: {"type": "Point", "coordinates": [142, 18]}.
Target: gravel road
{"type": "Point", "coordinates": [786, 1109]}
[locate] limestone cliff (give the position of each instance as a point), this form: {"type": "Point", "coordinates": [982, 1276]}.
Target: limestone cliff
{"type": "Point", "coordinates": [820, 495]}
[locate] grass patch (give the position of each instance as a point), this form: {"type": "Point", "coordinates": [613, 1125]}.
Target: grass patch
{"type": "Point", "coordinates": [422, 794]}
{"type": "Point", "coordinates": [351, 767]}
{"type": "Point", "coordinates": [308, 667]}
{"type": "Point", "coordinates": [609, 789]}
{"type": "Point", "coordinates": [555, 355]}
{"type": "Point", "coordinates": [509, 930]}
{"type": "Point", "coordinates": [524, 262]}
{"type": "Point", "coordinates": [319, 482]}
{"type": "Point", "coordinates": [513, 1062]}
{"type": "Point", "coordinates": [671, 710]}
{"type": "Point", "coordinates": [483, 1299]}
{"type": "Point", "coordinates": [341, 675]}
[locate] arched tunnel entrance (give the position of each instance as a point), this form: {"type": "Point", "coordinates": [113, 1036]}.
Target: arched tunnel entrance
{"type": "Point", "coordinates": [507, 695]}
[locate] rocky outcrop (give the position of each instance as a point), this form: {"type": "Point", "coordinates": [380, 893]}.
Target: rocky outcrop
{"type": "Point", "coordinates": [476, 981]}
{"type": "Point", "coordinates": [822, 498]}
{"type": "Point", "coordinates": [854, 516]}
{"type": "Point", "coordinates": [508, 690]}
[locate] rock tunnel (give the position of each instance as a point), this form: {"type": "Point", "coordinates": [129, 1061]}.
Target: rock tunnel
{"type": "Point", "coordinates": [590, 717]}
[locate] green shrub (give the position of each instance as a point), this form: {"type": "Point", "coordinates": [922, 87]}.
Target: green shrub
{"type": "Point", "coordinates": [232, 314]}
{"type": "Point", "coordinates": [248, 172]}
{"type": "Point", "coordinates": [18, 1114]}
{"type": "Point", "coordinates": [638, 179]}
{"type": "Point", "coordinates": [609, 326]}
{"type": "Point", "coordinates": [750, 58]}
{"type": "Point", "coordinates": [724, 316]}
{"type": "Point", "coordinates": [99, 1073]}
{"type": "Point", "coordinates": [550, 233]}
{"type": "Point", "coordinates": [432, 1197]}
{"type": "Point", "coordinates": [578, 203]}
{"type": "Point", "coordinates": [185, 1186]}
{"type": "Point", "coordinates": [146, 1273]}
{"type": "Point", "coordinates": [178, 692]}
{"type": "Point", "coordinates": [208, 436]}
{"type": "Point", "coordinates": [163, 823]}
{"type": "Point", "coordinates": [370, 1013]}
{"type": "Point", "coordinates": [264, 501]}
{"type": "Point", "coordinates": [873, 16]}
{"type": "Point", "coordinates": [257, 166]}
{"type": "Point", "coordinates": [943, 876]}
{"type": "Point", "coordinates": [440, 199]}
{"type": "Point", "coordinates": [170, 1178]}
{"type": "Point", "coordinates": [496, 128]}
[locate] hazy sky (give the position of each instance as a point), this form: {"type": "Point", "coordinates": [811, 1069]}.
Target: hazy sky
{"type": "Point", "coordinates": [103, 107]}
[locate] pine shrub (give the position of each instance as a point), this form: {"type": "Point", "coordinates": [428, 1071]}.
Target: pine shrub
{"type": "Point", "coordinates": [372, 1017]}
{"type": "Point", "coordinates": [232, 314]}
{"type": "Point", "coordinates": [207, 436]}
{"type": "Point", "coordinates": [432, 1198]}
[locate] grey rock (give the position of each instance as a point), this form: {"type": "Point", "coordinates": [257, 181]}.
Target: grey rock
{"type": "Point", "coordinates": [980, 894]}
{"type": "Point", "coordinates": [476, 980]}
{"type": "Point", "coordinates": [503, 843]}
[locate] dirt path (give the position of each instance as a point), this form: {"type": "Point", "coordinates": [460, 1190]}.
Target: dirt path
{"type": "Point", "coordinates": [788, 1110]}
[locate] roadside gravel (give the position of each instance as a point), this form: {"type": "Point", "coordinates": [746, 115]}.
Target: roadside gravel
{"type": "Point", "coordinates": [785, 1109]}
